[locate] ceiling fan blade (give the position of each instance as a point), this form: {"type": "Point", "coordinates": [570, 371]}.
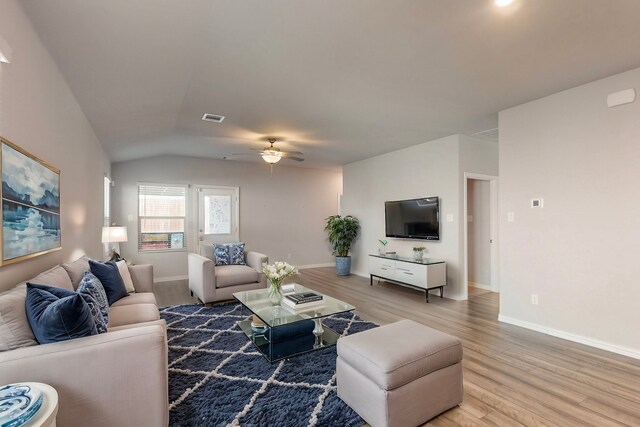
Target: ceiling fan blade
{"type": "Point", "coordinates": [297, 159]}
{"type": "Point", "coordinates": [259, 149]}
{"type": "Point", "coordinates": [241, 154]}
{"type": "Point", "coordinates": [292, 152]}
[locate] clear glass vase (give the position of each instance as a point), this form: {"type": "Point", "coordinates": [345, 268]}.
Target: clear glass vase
{"type": "Point", "coordinates": [275, 292]}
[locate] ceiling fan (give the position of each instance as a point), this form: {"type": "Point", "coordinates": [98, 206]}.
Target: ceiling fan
{"type": "Point", "coordinates": [272, 154]}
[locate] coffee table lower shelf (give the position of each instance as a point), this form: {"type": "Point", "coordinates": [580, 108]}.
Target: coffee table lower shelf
{"type": "Point", "coordinates": [276, 351]}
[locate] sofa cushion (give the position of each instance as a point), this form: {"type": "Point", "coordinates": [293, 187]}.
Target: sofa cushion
{"type": "Point", "coordinates": [123, 268]}
{"type": "Point", "coordinates": [221, 253]}
{"type": "Point", "coordinates": [76, 270]}
{"type": "Point", "coordinates": [231, 275]}
{"type": "Point", "coordinates": [410, 351]}
{"type": "Point", "coordinates": [57, 276]}
{"type": "Point", "coordinates": [137, 298]}
{"type": "Point", "coordinates": [91, 286]}
{"type": "Point", "coordinates": [133, 313]}
{"type": "Point", "coordinates": [15, 331]}
{"type": "Point", "coordinates": [57, 314]}
{"type": "Point", "coordinates": [109, 276]}
{"type": "Point", "coordinates": [236, 253]}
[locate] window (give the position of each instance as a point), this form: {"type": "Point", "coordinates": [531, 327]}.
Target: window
{"type": "Point", "coordinates": [107, 201]}
{"type": "Point", "coordinates": [162, 219]}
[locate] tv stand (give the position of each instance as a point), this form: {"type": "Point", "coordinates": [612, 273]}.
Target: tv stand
{"type": "Point", "coordinates": [424, 274]}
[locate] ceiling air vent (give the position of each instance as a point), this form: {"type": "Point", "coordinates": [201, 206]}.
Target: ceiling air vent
{"type": "Point", "coordinates": [489, 134]}
{"type": "Point", "coordinates": [212, 118]}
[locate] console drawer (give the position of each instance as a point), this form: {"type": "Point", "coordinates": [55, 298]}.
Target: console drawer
{"type": "Point", "coordinates": [413, 274]}
{"type": "Point", "coordinates": [382, 267]}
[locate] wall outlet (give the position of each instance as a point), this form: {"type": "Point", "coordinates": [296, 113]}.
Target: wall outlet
{"type": "Point", "coordinates": [449, 217]}
{"type": "Point", "coordinates": [130, 218]}
{"type": "Point", "coordinates": [288, 256]}
{"type": "Point", "coordinates": [537, 203]}
{"type": "Point", "coordinates": [534, 299]}
{"type": "Point", "coordinates": [510, 217]}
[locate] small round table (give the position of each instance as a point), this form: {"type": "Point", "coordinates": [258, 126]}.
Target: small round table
{"type": "Point", "coordinates": [46, 415]}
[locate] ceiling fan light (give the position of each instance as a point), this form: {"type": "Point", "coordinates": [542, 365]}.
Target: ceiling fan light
{"type": "Point", "coordinates": [272, 158]}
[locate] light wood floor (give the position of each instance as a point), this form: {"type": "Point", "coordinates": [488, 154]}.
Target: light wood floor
{"type": "Point", "coordinates": [512, 376]}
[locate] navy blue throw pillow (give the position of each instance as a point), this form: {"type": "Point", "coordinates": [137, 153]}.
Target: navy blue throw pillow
{"type": "Point", "coordinates": [57, 314]}
{"type": "Point", "coordinates": [110, 278]}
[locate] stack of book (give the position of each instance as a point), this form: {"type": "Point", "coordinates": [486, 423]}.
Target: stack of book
{"type": "Point", "coordinates": [303, 301]}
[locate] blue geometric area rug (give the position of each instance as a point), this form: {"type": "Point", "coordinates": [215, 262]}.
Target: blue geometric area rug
{"type": "Point", "coordinates": [218, 378]}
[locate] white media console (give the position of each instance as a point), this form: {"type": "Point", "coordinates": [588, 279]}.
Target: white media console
{"type": "Point", "coordinates": [425, 274]}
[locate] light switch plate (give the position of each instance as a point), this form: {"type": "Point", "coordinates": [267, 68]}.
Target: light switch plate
{"type": "Point", "coordinates": [449, 217]}
{"type": "Point", "coordinates": [510, 217]}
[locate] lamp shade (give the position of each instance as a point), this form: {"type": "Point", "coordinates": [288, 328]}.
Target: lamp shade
{"type": "Point", "coordinates": [114, 234]}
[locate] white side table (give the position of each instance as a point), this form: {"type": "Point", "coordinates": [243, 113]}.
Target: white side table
{"type": "Point", "coordinates": [46, 415]}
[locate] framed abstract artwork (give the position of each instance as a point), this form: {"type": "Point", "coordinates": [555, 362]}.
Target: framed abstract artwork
{"type": "Point", "coordinates": [30, 205]}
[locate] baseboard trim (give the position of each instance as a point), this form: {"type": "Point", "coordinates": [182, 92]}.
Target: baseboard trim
{"type": "Point", "coordinates": [169, 279]}
{"type": "Point", "coordinates": [625, 351]}
{"type": "Point", "coordinates": [480, 286]}
{"type": "Point", "coordinates": [327, 264]}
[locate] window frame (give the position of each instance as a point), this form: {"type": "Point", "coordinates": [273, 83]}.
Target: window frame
{"type": "Point", "coordinates": [185, 218]}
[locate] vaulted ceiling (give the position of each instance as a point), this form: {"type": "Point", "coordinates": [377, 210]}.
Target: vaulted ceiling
{"type": "Point", "coordinates": [338, 80]}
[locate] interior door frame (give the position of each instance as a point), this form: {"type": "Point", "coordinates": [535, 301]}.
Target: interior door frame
{"type": "Point", "coordinates": [493, 231]}
{"type": "Point", "coordinates": [196, 208]}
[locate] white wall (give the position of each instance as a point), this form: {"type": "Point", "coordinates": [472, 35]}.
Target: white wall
{"type": "Point", "coordinates": [280, 214]}
{"type": "Point", "coordinates": [435, 168]}
{"type": "Point", "coordinates": [479, 221]}
{"type": "Point", "coordinates": [579, 253]}
{"type": "Point", "coordinates": [39, 113]}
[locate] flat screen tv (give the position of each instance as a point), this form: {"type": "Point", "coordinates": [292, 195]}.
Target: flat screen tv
{"type": "Point", "coordinates": [413, 219]}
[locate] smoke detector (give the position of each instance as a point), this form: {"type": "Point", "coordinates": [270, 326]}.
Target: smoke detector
{"type": "Point", "coordinates": [208, 117]}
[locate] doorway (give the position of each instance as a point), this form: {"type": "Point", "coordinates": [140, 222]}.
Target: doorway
{"type": "Point", "coordinates": [217, 215]}
{"type": "Point", "coordinates": [480, 234]}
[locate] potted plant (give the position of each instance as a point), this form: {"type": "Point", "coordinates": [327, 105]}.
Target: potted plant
{"type": "Point", "coordinates": [383, 249]}
{"type": "Point", "coordinates": [342, 232]}
{"type": "Point", "coordinates": [418, 252]}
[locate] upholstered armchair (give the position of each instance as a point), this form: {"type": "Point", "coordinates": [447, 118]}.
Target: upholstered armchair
{"type": "Point", "coordinates": [211, 284]}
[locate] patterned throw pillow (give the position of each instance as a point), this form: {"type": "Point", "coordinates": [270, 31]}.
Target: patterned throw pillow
{"type": "Point", "coordinates": [90, 285]}
{"type": "Point", "coordinates": [236, 253]}
{"type": "Point", "coordinates": [221, 253]}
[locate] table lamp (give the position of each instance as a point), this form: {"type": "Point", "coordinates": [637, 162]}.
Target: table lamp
{"type": "Point", "coordinates": [113, 236]}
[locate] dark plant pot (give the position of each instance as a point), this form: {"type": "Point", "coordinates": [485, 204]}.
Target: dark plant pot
{"type": "Point", "coordinates": [343, 265]}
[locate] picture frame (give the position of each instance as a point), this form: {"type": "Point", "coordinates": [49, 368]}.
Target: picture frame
{"type": "Point", "coordinates": [30, 208]}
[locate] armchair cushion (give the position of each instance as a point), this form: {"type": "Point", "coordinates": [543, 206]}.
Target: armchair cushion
{"type": "Point", "coordinates": [231, 275]}
{"type": "Point", "coordinates": [221, 253]}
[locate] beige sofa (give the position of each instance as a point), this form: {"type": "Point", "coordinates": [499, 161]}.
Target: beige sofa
{"type": "Point", "coordinates": [211, 284]}
{"type": "Point", "coordinates": [119, 378]}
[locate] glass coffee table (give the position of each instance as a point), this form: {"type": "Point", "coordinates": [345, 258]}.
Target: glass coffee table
{"type": "Point", "coordinates": [287, 332]}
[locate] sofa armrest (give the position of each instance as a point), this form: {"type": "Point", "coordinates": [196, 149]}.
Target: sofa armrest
{"type": "Point", "coordinates": [202, 277]}
{"type": "Point", "coordinates": [142, 276]}
{"type": "Point", "coordinates": [117, 378]}
{"type": "Point", "coordinates": [256, 259]}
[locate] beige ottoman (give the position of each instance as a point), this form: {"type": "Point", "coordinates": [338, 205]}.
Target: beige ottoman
{"type": "Point", "coordinates": [402, 374]}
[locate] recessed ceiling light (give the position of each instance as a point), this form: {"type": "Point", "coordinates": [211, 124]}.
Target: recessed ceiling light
{"type": "Point", "coordinates": [212, 118]}
{"type": "Point", "coordinates": [3, 58]}
{"type": "Point", "coordinates": [503, 3]}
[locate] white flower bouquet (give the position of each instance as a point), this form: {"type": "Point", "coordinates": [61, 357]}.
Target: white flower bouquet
{"type": "Point", "coordinates": [275, 274]}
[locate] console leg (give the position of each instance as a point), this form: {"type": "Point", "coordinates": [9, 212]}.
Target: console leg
{"type": "Point", "coordinates": [370, 280]}
{"type": "Point", "coordinates": [191, 293]}
{"type": "Point", "coordinates": [441, 291]}
{"type": "Point", "coordinates": [426, 295]}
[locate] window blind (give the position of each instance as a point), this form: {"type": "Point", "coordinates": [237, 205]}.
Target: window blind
{"type": "Point", "coordinates": [161, 217]}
